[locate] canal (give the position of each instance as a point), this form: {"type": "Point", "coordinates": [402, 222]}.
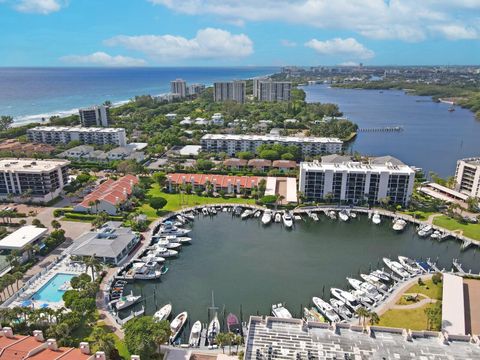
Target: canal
{"type": "Point", "coordinates": [249, 266]}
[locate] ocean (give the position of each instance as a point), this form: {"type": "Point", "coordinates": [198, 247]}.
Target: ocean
{"type": "Point", "coordinates": [30, 94]}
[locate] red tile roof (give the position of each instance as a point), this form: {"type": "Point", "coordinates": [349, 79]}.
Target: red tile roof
{"type": "Point", "coordinates": [20, 350]}
{"type": "Point", "coordinates": [111, 191]}
{"type": "Point", "coordinates": [284, 164]}
{"type": "Point", "coordinates": [219, 180]}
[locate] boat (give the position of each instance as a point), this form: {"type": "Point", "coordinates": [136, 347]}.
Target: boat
{"type": "Point", "coordinates": [362, 297]}
{"type": "Point", "coordinates": [437, 234]}
{"type": "Point", "coordinates": [375, 281]}
{"type": "Point", "coordinates": [168, 228]}
{"type": "Point", "coordinates": [366, 287]}
{"type": "Point", "coordinates": [149, 258]}
{"type": "Point", "coordinates": [424, 230]}
{"type": "Point", "coordinates": [267, 217]}
{"type": "Point", "coordinates": [205, 211]}
{"type": "Point", "coordinates": [332, 215]}
{"type": "Point", "coordinates": [184, 240]}
{"type": "Point", "coordinates": [169, 245]}
{"type": "Point", "coordinates": [233, 325]}
{"type": "Point", "coordinates": [177, 324]}
{"type": "Point", "coordinates": [163, 252]}
{"type": "Point", "coordinates": [397, 268]}
{"type": "Point", "coordinates": [148, 271]}
{"type": "Point", "coordinates": [212, 211]}
{"type": "Point", "coordinates": [410, 265]}
{"type": "Point", "coordinates": [188, 216]}
{"type": "Point", "coordinates": [451, 109]}
{"type": "Point", "coordinates": [297, 218]}
{"type": "Point", "coordinates": [257, 214]}
{"type": "Point", "coordinates": [399, 225]}
{"type": "Point", "coordinates": [425, 266]}
{"type": "Point", "coordinates": [312, 315]}
{"type": "Point", "coordinates": [352, 214]}
{"type": "Point", "coordinates": [341, 309]}
{"type": "Point", "coordinates": [343, 215]}
{"type": "Point", "coordinates": [127, 301]}
{"type": "Point", "coordinates": [350, 300]}
{"type": "Point", "coordinates": [383, 276]}
{"type": "Point", "coordinates": [376, 218]}
{"type": "Point", "coordinates": [278, 217]}
{"type": "Point", "coordinates": [195, 334]}
{"type": "Point", "coordinates": [246, 214]}
{"type": "Point", "coordinates": [213, 330]}
{"type": "Point", "coordinates": [313, 216]}
{"type": "Point", "coordinates": [280, 311]}
{"type": "Point", "coordinates": [237, 210]}
{"type": "Point", "coordinates": [287, 220]}
{"type": "Point", "coordinates": [326, 309]}
{"type": "Point", "coordinates": [163, 313]}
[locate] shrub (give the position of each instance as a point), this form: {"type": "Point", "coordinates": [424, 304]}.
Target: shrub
{"type": "Point", "coordinates": [437, 278]}
{"type": "Point", "coordinates": [157, 202]}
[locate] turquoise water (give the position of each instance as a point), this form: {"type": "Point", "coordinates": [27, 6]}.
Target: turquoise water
{"type": "Point", "coordinates": [50, 292]}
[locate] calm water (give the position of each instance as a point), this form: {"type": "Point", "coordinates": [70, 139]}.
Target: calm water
{"type": "Point", "coordinates": [433, 139]}
{"type": "Point", "coordinates": [252, 266]}
{"type": "Point", "coordinates": [29, 94]}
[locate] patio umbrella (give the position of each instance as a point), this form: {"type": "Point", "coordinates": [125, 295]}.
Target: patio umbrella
{"type": "Point", "coordinates": [44, 306]}
{"type": "Point", "coordinates": [26, 303]}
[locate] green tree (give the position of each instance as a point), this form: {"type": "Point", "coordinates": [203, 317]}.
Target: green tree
{"type": "Point", "coordinates": [157, 203]}
{"type": "Point", "coordinates": [268, 199]}
{"type": "Point", "coordinates": [362, 315]}
{"type": "Point", "coordinates": [91, 262]}
{"type": "Point", "coordinates": [37, 222]}
{"type": "Point", "coordinates": [143, 335]}
{"type": "Point", "coordinates": [245, 155]}
{"type": "Point", "coordinates": [56, 224]}
{"type": "Point", "coordinates": [287, 156]}
{"type": "Point", "coordinates": [204, 164]}
{"type": "Point", "coordinates": [160, 178]}
{"type": "Point", "coordinates": [374, 318]}
{"type": "Point", "coordinates": [221, 339]}
{"type": "Point", "coordinates": [269, 155]}
{"type": "Point", "coordinates": [102, 340]}
{"type": "Point", "coordinates": [5, 122]}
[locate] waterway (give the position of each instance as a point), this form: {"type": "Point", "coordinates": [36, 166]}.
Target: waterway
{"type": "Point", "coordinates": [249, 266]}
{"type": "Point", "coordinates": [433, 138]}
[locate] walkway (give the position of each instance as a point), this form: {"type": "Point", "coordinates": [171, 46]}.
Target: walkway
{"type": "Point", "coordinates": [418, 304]}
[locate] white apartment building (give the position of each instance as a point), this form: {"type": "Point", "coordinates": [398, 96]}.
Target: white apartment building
{"type": "Point", "coordinates": [229, 91]}
{"type": "Point", "coordinates": [195, 89]}
{"type": "Point", "coordinates": [340, 179]}
{"type": "Point", "coordinates": [32, 180]}
{"type": "Point", "coordinates": [231, 144]}
{"type": "Point", "coordinates": [179, 87]}
{"type": "Point", "coordinates": [86, 135]}
{"type": "Point", "coordinates": [94, 116]}
{"type": "Point", "coordinates": [273, 90]}
{"type": "Point", "coordinates": [467, 176]}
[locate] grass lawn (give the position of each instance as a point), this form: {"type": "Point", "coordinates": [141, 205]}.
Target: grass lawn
{"type": "Point", "coordinates": [175, 201]}
{"type": "Point", "coordinates": [414, 319]}
{"type": "Point", "coordinates": [404, 301]}
{"type": "Point", "coordinates": [429, 289]}
{"type": "Point", "coordinates": [420, 215]}
{"type": "Point", "coordinates": [470, 230]}
{"type": "Point", "coordinates": [122, 348]}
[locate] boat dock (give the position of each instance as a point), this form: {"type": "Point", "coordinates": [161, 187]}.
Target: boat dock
{"type": "Point", "coordinates": [382, 129]}
{"type": "Point", "coordinates": [132, 315]}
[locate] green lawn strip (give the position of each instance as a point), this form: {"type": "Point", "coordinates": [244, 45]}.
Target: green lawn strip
{"type": "Point", "coordinates": [122, 348]}
{"type": "Point", "coordinates": [414, 319]}
{"type": "Point", "coordinates": [419, 215]}
{"type": "Point", "coordinates": [470, 230]}
{"type": "Point", "coordinates": [429, 289]}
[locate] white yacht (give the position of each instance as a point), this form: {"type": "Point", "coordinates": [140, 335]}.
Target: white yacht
{"type": "Point", "coordinates": [341, 309]}
{"type": "Point", "coordinates": [399, 225]}
{"type": "Point", "coordinates": [205, 211]}
{"type": "Point", "coordinates": [212, 210]}
{"type": "Point", "coordinates": [213, 330]}
{"type": "Point", "coordinates": [188, 216]}
{"type": "Point", "coordinates": [195, 334]}
{"type": "Point", "coordinates": [161, 251]}
{"type": "Point", "coordinates": [150, 257]}
{"type": "Point", "coordinates": [313, 216]}
{"type": "Point", "coordinates": [326, 309]}
{"type": "Point", "coordinates": [376, 218]}
{"type": "Point", "coordinates": [169, 245]}
{"type": "Point", "coordinates": [370, 290]}
{"type": "Point", "coordinates": [278, 217]}
{"type": "Point", "coordinates": [266, 217]}
{"type": "Point", "coordinates": [163, 313]}
{"type": "Point", "coordinates": [424, 230]}
{"type": "Point", "coordinates": [383, 276]}
{"type": "Point", "coordinates": [362, 297]}
{"type": "Point", "coordinates": [375, 281]}
{"type": "Point", "coordinates": [183, 240]}
{"type": "Point", "coordinates": [352, 214]}
{"type": "Point", "coordinates": [410, 265]}
{"type": "Point", "coordinates": [350, 300]}
{"type": "Point", "coordinates": [332, 215]}
{"type": "Point", "coordinates": [148, 271]}
{"type": "Point", "coordinates": [177, 324]}
{"type": "Point", "coordinates": [343, 215]}
{"type": "Point", "coordinates": [168, 228]}
{"type": "Point", "coordinates": [397, 268]}
{"type": "Point", "coordinates": [246, 214]}
{"type": "Point", "coordinates": [436, 235]}
{"type": "Point", "coordinates": [280, 311]}
{"type": "Point", "coordinates": [287, 220]}
{"type": "Point", "coordinates": [126, 301]}
{"type": "Point", "coordinates": [257, 214]}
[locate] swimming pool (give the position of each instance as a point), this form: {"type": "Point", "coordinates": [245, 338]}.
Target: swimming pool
{"type": "Point", "coordinates": [50, 292]}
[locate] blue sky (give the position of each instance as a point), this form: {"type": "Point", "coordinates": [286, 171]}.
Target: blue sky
{"type": "Point", "coordinates": [233, 32]}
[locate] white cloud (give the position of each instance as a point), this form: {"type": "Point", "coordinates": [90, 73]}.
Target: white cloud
{"type": "Point", "coordinates": [349, 63]}
{"type": "Point", "coordinates": [288, 43]}
{"type": "Point", "coordinates": [43, 7]}
{"type": "Point", "coordinates": [207, 44]}
{"type": "Point", "coordinates": [103, 59]}
{"type": "Point", "coordinates": [457, 32]}
{"type": "Point", "coordinates": [407, 20]}
{"type": "Point", "coordinates": [343, 47]}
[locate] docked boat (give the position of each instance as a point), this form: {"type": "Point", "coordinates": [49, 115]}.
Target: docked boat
{"type": "Point", "coordinates": [313, 216]}
{"type": "Point", "coordinates": [168, 228]}
{"type": "Point", "coordinates": [150, 257]}
{"type": "Point", "coordinates": [312, 315]}
{"type": "Point", "coordinates": [424, 230]}
{"type": "Point", "coordinates": [278, 218]}
{"type": "Point", "coordinates": [233, 325]}
{"type": "Point", "coordinates": [376, 218]}
{"type": "Point", "coordinates": [436, 235]}
{"type": "Point", "coordinates": [410, 265]}
{"type": "Point", "coordinates": [246, 214]}
{"type": "Point", "coordinates": [362, 297]}
{"type": "Point", "coordinates": [177, 324]}
{"type": "Point", "coordinates": [205, 211]}
{"type": "Point", "coordinates": [350, 300]}
{"type": "Point", "coordinates": [399, 225]}
{"type": "Point", "coordinates": [237, 211]}
{"type": "Point", "coordinates": [343, 215]}
{"type": "Point", "coordinates": [184, 240]}
{"type": "Point", "coordinates": [332, 215]}
{"type": "Point", "coordinates": [169, 245]}
{"type": "Point", "coordinates": [267, 217]}
{"type": "Point", "coordinates": [375, 281]}
{"type": "Point", "coordinates": [341, 309]}
{"type": "Point", "coordinates": [257, 214]}
{"type": "Point", "coordinates": [326, 309]}
{"type": "Point", "coordinates": [195, 334]}
{"type": "Point", "coordinates": [127, 301]}
{"type": "Point", "coordinates": [397, 268]}
{"type": "Point", "coordinates": [366, 287]}
{"type": "Point", "coordinates": [280, 311]}
{"type": "Point", "coordinates": [383, 276]}
{"type": "Point", "coordinates": [163, 313]}
{"type": "Point", "coordinates": [425, 266]}
{"type": "Point", "coordinates": [212, 211]}
{"type": "Point", "coordinates": [213, 330]}
{"type": "Point", "coordinates": [163, 252]}
{"type": "Point", "coordinates": [352, 214]}
{"type": "Point", "coordinates": [287, 220]}
{"type": "Point", "coordinates": [188, 216]}
{"type": "Point", "coordinates": [148, 271]}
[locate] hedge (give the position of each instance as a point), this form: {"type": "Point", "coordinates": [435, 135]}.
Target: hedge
{"type": "Point", "coordinates": [80, 216]}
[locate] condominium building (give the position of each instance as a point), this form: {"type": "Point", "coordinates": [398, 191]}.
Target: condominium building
{"type": "Point", "coordinates": [341, 179]}
{"type": "Point", "coordinates": [94, 116]}
{"type": "Point", "coordinates": [86, 135]}
{"type": "Point", "coordinates": [230, 90]}
{"type": "Point", "coordinates": [179, 87]}
{"type": "Point", "coordinates": [268, 90]}
{"type": "Point", "coordinates": [231, 144]}
{"type": "Point", "coordinates": [35, 180]}
{"type": "Point", "coordinates": [467, 176]}
{"type": "Point", "coordinates": [195, 89]}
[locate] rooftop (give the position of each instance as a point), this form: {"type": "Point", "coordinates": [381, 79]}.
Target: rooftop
{"type": "Point", "coordinates": [272, 138]}
{"type": "Point", "coordinates": [31, 165]}
{"type": "Point", "coordinates": [111, 191]}
{"type": "Point", "coordinates": [189, 150]}
{"type": "Point", "coordinates": [21, 237]}
{"type": "Point", "coordinates": [77, 129]}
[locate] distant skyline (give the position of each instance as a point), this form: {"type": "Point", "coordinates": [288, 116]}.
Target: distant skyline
{"type": "Point", "coordinates": [238, 33]}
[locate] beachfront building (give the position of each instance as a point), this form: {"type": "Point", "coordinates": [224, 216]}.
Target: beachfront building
{"type": "Point", "coordinates": [178, 87]}
{"type": "Point", "coordinates": [195, 89]}
{"type": "Point", "coordinates": [32, 180]}
{"type": "Point", "coordinates": [18, 241]}
{"type": "Point", "coordinates": [268, 90]}
{"type": "Point", "coordinates": [341, 179]}
{"type": "Point", "coordinates": [108, 196]}
{"type": "Point", "coordinates": [231, 143]}
{"type": "Point", "coordinates": [467, 177]}
{"type": "Point", "coordinates": [86, 135]}
{"type": "Point", "coordinates": [230, 91]}
{"type": "Point", "coordinates": [110, 244]}
{"type": "Point", "coordinates": [94, 116]}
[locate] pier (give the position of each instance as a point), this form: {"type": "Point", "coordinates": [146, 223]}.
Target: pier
{"type": "Point", "coordinates": [397, 128]}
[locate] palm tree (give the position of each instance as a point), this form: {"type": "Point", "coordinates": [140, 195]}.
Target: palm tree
{"type": "Point", "coordinates": [93, 263]}
{"type": "Point", "coordinates": [362, 314]}
{"type": "Point", "coordinates": [221, 340]}
{"type": "Point", "coordinates": [374, 318]}
{"type": "Point", "coordinates": [229, 337]}
{"type": "Point", "coordinates": [238, 340]}
{"type": "Point", "coordinates": [17, 276]}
